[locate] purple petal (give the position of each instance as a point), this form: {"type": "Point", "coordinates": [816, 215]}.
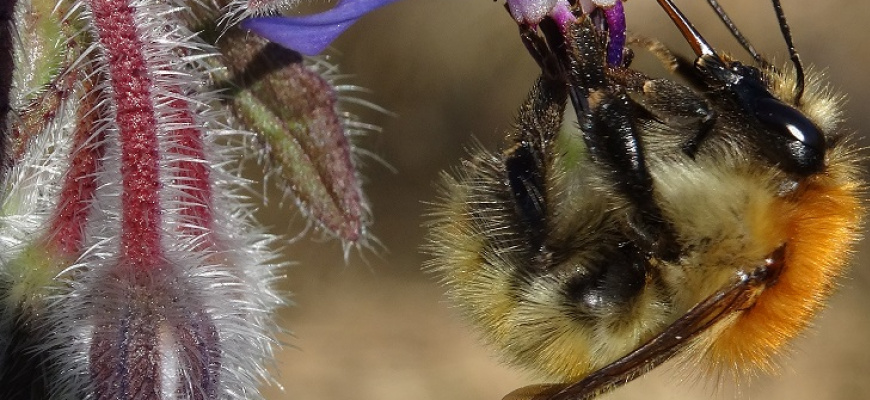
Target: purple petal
{"type": "Point", "coordinates": [616, 27]}
{"type": "Point", "coordinates": [530, 11]}
{"type": "Point", "coordinates": [311, 34]}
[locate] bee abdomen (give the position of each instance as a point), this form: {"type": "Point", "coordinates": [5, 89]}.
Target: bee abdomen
{"type": "Point", "coordinates": [580, 314]}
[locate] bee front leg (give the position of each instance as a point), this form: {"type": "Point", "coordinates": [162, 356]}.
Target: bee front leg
{"type": "Point", "coordinates": [607, 118]}
{"type": "Point", "coordinates": [680, 109]}
{"type": "Point", "coordinates": [614, 143]}
{"type": "Point", "coordinates": [537, 48]}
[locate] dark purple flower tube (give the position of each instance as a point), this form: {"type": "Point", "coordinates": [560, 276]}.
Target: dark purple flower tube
{"type": "Point", "coordinates": [532, 12]}
{"type": "Point", "coordinates": [311, 34]}
{"type": "Point", "coordinates": [616, 27]}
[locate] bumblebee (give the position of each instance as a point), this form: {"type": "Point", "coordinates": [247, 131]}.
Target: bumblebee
{"type": "Point", "coordinates": [707, 219]}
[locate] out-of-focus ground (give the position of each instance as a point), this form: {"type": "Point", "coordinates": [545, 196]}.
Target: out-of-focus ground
{"type": "Point", "coordinates": [453, 70]}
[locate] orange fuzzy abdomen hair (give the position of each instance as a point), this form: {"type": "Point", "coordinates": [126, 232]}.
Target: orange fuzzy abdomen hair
{"type": "Point", "coordinates": [820, 226]}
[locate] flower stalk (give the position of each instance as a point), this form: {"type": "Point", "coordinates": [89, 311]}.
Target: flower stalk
{"type": "Point", "coordinates": [136, 121]}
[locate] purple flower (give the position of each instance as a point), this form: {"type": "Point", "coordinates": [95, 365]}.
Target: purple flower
{"type": "Point", "coordinates": [532, 12]}
{"type": "Point", "coordinates": [311, 34]}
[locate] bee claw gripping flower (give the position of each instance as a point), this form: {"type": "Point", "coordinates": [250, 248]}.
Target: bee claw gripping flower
{"type": "Point", "coordinates": [531, 12]}
{"type": "Point", "coordinates": [131, 266]}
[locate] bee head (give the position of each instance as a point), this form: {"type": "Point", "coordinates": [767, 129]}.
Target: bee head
{"type": "Point", "coordinates": [787, 137]}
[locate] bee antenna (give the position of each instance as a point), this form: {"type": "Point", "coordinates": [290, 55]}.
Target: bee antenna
{"type": "Point", "coordinates": [714, 4]}
{"type": "Point", "coordinates": [699, 45]}
{"type": "Point", "coordinates": [795, 58]}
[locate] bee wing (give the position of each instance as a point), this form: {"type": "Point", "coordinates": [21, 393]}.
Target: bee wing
{"type": "Point", "coordinates": [739, 295]}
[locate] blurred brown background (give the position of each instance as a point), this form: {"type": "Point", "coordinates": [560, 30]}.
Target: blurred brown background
{"type": "Point", "coordinates": [378, 328]}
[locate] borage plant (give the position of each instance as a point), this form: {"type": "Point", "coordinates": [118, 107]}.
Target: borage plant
{"type": "Point", "coordinates": [131, 265]}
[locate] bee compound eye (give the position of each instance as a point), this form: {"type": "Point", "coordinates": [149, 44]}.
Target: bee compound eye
{"type": "Point", "coordinates": [790, 122]}
{"type": "Point", "coordinates": [798, 144]}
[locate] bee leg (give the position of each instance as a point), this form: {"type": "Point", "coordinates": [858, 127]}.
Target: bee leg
{"type": "Point", "coordinates": [539, 51]}
{"type": "Point", "coordinates": [676, 105]}
{"type": "Point", "coordinates": [614, 143]}
{"type": "Point", "coordinates": [606, 116]}
{"type": "Point", "coordinates": [526, 161]}
{"type": "Point", "coordinates": [680, 108]}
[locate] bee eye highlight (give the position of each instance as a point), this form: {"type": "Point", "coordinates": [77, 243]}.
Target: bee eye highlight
{"type": "Point", "coordinates": [804, 141]}
{"type": "Point", "coordinates": [786, 136]}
